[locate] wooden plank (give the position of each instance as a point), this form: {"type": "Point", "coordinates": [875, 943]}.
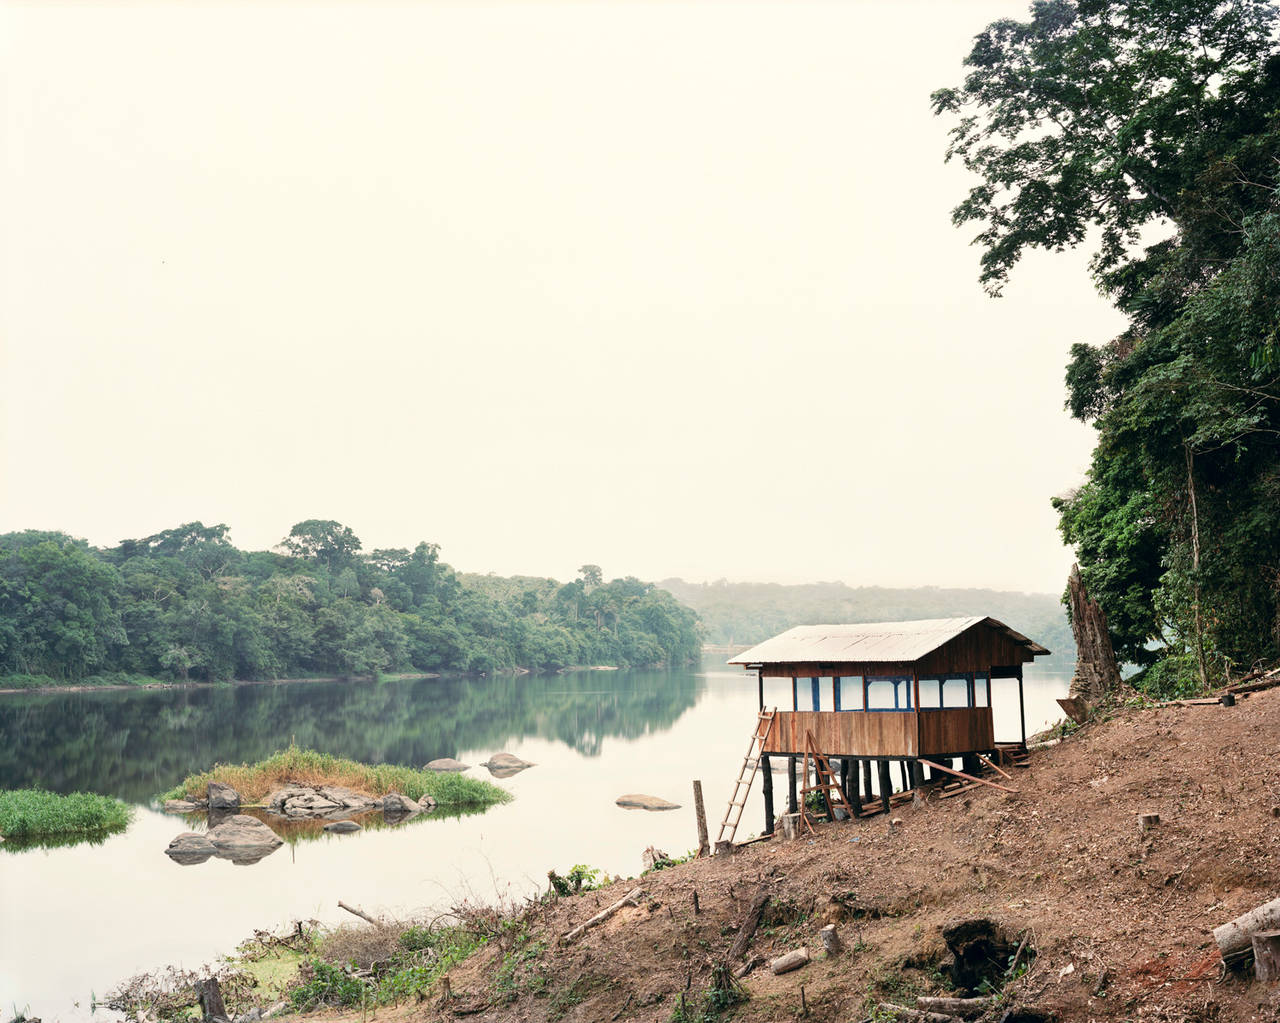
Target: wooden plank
{"type": "Point", "coordinates": [969, 777]}
{"type": "Point", "coordinates": [993, 767]}
{"type": "Point", "coordinates": [954, 730]}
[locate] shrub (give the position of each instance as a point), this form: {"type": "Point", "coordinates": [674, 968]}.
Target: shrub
{"type": "Point", "coordinates": [32, 813]}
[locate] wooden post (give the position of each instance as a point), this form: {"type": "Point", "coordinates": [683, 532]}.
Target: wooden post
{"type": "Point", "coordinates": [915, 689]}
{"type": "Point", "coordinates": [704, 841]}
{"type": "Point", "coordinates": [1266, 956]}
{"type": "Point", "coordinates": [835, 692]}
{"type": "Point", "coordinates": [795, 693]}
{"type": "Point", "coordinates": [902, 770]}
{"type": "Point", "coordinates": [767, 783]}
{"type": "Point", "coordinates": [817, 694]}
{"type": "Point", "coordinates": [793, 803]}
{"type": "Point", "coordinates": [1022, 708]}
{"type": "Point", "coordinates": [866, 780]}
{"type": "Point", "coordinates": [760, 686]}
{"type": "Point", "coordinates": [886, 785]}
{"type": "Point", "coordinates": [844, 781]}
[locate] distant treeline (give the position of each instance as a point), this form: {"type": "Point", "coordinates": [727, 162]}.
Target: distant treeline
{"type": "Point", "coordinates": [750, 612]}
{"type": "Point", "coordinates": [187, 604]}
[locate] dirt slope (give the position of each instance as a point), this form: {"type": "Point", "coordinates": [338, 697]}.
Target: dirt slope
{"type": "Point", "coordinates": [1120, 921]}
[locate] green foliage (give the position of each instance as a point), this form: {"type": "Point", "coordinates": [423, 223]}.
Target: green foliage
{"type": "Point", "coordinates": [1142, 118]}
{"type": "Point", "coordinates": [185, 604]}
{"type": "Point", "coordinates": [423, 954]}
{"type": "Point", "coordinates": [28, 814]}
{"type": "Point", "coordinates": [253, 781]}
{"type": "Point", "coordinates": [580, 878]}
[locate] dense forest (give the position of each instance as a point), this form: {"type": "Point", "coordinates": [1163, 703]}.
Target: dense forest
{"type": "Point", "coordinates": [1149, 130]}
{"type": "Point", "coordinates": [186, 604]}
{"type": "Point", "coordinates": [745, 613]}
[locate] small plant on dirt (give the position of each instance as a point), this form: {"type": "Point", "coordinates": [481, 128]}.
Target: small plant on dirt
{"type": "Point", "coordinates": [580, 878]}
{"type": "Point", "coordinates": [663, 862]}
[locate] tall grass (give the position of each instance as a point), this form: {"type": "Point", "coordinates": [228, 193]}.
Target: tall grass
{"type": "Point", "coordinates": [32, 813]}
{"type": "Point", "coordinates": [308, 767]}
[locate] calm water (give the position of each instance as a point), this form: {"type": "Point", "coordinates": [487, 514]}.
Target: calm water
{"type": "Point", "coordinates": [76, 921]}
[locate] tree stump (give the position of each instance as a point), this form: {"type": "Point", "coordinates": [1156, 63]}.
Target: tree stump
{"type": "Point", "coordinates": [831, 943]}
{"type": "Point", "coordinates": [1147, 821]}
{"type": "Point", "coordinates": [1266, 956]}
{"type": "Point", "coordinates": [790, 826]}
{"type": "Point", "coordinates": [1097, 673]}
{"type": "Point", "coordinates": [209, 993]}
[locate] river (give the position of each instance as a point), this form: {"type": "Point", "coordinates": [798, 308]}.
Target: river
{"type": "Point", "coordinates": [78, 920]}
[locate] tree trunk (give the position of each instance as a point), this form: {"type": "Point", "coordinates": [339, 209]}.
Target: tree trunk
{"type": "Point", "coordinates": [1195, 571]}
{"type": "Point", "coordinates": [748, 929]}
{"type": "Point", "coordinates": [1097, 674]}
{"type": "Point", "coordinates": [210, 995]}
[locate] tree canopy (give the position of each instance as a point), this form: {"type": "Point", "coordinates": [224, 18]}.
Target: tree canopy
{"type": "Point", "coordinates": [187, 604]}
{"type": "Point", "coordinates": [1149, 130]}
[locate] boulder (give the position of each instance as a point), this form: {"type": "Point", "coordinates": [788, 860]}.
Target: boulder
{"type": "Point", "coordinates": [223, 797]}
{"type": "Point", "coordinates": [348, 799]}
{"type": "Point", "coordinates": [342, 827]}
{"type": "Point", "coordinates": [181, 806]}
{"type": "Point", "coordinates": [639, 801]}
{"type": "Point", "coordinates": [396, 805]}
{"type": "Point", "coordinates": [504, 765]}
{"type": "Point", "coordinates": [447, 764]}
{"type": "Point", "coordinates": [310, 805]}
{"type": "Point", "coordinates": [189, 848]}
{"type": "Point", "coordinates": [244, 839]}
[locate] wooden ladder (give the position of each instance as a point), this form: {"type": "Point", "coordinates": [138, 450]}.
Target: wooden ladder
{"type": "Point", "coordinates": [826, 784]}
{"type": "Point", "coordinates": [750, 764]}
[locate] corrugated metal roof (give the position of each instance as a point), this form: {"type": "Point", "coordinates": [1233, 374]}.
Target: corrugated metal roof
{"type": "Point", "coordinates": [869, 642]}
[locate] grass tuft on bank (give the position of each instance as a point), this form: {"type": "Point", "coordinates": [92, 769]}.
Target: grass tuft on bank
{"type": "Point", "coordinates": [27, 814]}
{"type": "Point", "coordinates": [309, 767]}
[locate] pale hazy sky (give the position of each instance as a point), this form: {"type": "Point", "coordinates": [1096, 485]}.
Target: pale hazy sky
{"type": "Point", "coordinates": [669, 287]}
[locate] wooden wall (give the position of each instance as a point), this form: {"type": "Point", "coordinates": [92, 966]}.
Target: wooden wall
{"type": "Point", "coordinates": [887, 733]}
{"type": "Point", "coordinates": [956, 730]}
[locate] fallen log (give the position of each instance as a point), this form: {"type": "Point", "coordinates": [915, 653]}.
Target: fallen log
{"type": "Point", "coordinates": [916, 1015]}
{"type": "Point", "coordinates": [791, 961]}
{"type": "Point", "coordinates": [749, 924]}
{"type": "Point", "coordinates": [965, 1008]}
{"type": "Point", "coordinates": [1255, 687]}
{"type": "Point", "coordinates": [1235, 938]}
{"type": "Point", "coordinates": [630, 899]}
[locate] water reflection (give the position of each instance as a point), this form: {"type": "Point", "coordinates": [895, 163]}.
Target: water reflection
{"type": "Point", "coordinates": [136, 744]}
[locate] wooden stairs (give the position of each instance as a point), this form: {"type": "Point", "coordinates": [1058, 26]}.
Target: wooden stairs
{"type": "Point", "coordinates": [741, 788]}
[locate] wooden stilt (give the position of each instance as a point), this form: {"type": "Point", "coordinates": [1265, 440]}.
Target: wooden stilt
{"type": "Point", "coordinates": [902, 770]}
{"type": "Point", "coordinates": [866, 781]}
{"type": "Point", "coordinates": [767, 780]}
{"type": "Point", "coordinates": [793, 803]}
{"type": "Point", "coordinates": [886, 785]}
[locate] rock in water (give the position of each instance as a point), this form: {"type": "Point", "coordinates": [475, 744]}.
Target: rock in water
{"type": "Point", "coordinates": [342, 827]}
{"type": "Point", "coordinates": [395, 805]}
{"type": "Point", "coordinates": [639, 801]}
{"type": "Point", "coordinates": [180, 806]}
{"type": "Point", "coordinates": [504, 765]}
{"type": "Point", "coordinates": [244, 839]}
{"type": "Point", "coordinates": [189, 848]}
{"type": "Point", "coordinates": [447, 764]}
{"type": "Point", "coordinates": [223, 797]}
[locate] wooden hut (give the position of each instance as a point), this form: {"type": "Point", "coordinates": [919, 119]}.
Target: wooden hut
{"type": "Point", "coordinates": [898, 691]}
